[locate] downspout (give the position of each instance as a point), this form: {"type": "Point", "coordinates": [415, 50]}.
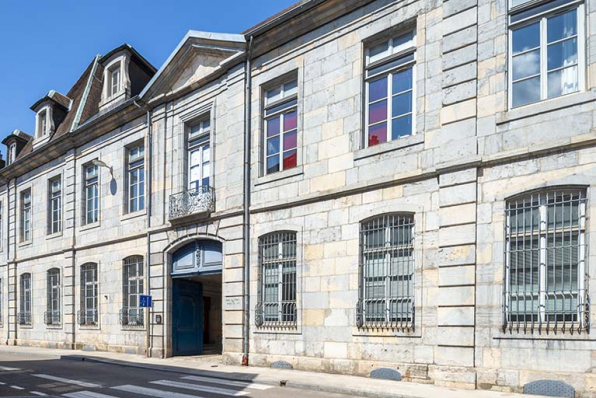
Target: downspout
{"type": "Point", "coordinates": [8, 260]}
{"type": "Point", "coordinates": [246, 234]}
{"type": "Point", "coordinates": [148, 202]}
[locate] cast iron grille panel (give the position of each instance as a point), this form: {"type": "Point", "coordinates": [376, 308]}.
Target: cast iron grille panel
{"type": "Point", "coordinates": [200, 200]}
{"type": "Point", "coordinates": [546, 263]}
{"type": "Point", "coordinates": [131, 317]}
{"type": "Point", "coordinates": [277, 280]}
{"type": "Point", "coordinates": [87, 317]}
{"type": "Point", "coordinates": [387, 273]}
{"type": "Point", "coordinates": [24, 318]}
{"type": "Point", "coordinates": [51, 317]}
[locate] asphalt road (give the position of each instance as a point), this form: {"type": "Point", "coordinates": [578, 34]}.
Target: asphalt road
{"type": "Point", "coordinates": [27, 376]}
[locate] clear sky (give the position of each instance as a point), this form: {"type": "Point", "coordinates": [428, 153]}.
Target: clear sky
{"type": "Point", "coordinates": [46, 45]}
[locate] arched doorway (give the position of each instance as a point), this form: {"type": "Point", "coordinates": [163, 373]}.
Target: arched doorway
{"type": "Point", "coordinates": [196, 298]}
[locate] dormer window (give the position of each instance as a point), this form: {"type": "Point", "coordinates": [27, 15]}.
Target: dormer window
{"type": "Point", "coordinates": [114, 80]}
{"type": "Point", "coordinates": [42, 124]}
{"type": "Point", "coordinates": [12, 153]}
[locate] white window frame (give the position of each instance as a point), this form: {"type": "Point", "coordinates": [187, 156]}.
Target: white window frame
{"type": "Point", "coordinates": [135, 162]}
{"type": "Point", "coordinates": [114, 88]}
{"type": "Point", "coordinates": [55, 205]}
{"type": "Point", "coordinates": [26, 299]}
{"type": "Point", "coordinates": [12, 153]}
{"type": "Point", "coordinates": [198, 141]}
{"type": "Point", "coordinates": [132, 276]}
{"type": "Point", "coordinates": [542, 17]}
{"type": "Point", "coordinates": [393, 53]}
{"type": "Point", "coordinates": [54, 293]}
{"type": "Point", "coordinates": [93, 284]}
{"type": "Point", "coordinates": [42, 123]}
{"type": "Point", "coordinates": [90, 181]}
{"type": "Point", "coordinates": [26, 214]}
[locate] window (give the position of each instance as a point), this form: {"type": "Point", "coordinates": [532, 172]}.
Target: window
{"type": "Point", "coordinates": [91, 194]}
{"type": "Point", "coordinates": [26, 216]}
{"type": "Point", "coordinates": [546, 53]}
{"type": "Point", "coordinates": [52, 315]}
{"type": "Point", "coordinates": [12, 153]}
{"type": "Point", "coordinates": [132, 288]}
{"type": "Point", "coordinates": [199, 156]}
{"type": "Point", "coordinates": [88, 315]}
{"type": "Point", "coordinates": [277, 279]}
{"type": "Point", "coordinates": [1, 302]}
{"type": "Point", "coordinates": [390, 100]}
{"type": "Point", "coordinates": [42, 124]}
{"type": "Point", "coordinates": [545, 254]}
{"type": "Point", "coordinates": [1, 227]}
{"type": "Point", "coordinates": [24, 316]}
{"type": "Point", "coordinates": [281, 127]}
{"type": "Point", "coordinates": [136, 178]}
{"type": "Point", "coordinates": [114, 77]}
{"type": "Point", "coordinates": [387, 272]}
{"type": "Point", "coordinates": [55, 210]}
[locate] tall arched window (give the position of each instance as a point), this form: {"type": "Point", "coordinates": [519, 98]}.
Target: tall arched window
{"type": "Point", "coordinates": [53, 315]}
{"type": "Point", "coordinates": [545, 286]}
{"type": "Point", "coordinates": [88, 314]}
{"type": "Point", "coordinates": [24, 316]}
{"type": "Point", "coordinates": [132, 288]}
{"type": "Point", "coordinates": [387, 272]}
{"type": "Point", "coordinates": [277, 279]}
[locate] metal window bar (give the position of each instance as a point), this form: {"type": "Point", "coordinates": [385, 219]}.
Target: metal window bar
{"type": "Point", "coordinates": [387, 273]}
{"type": "Point", "coordinates": [131, 313]}
{"type": "Point", "coordinates": [52, 315]}
{"type": "Point", "coordinates": [192, 201]}
{"type": "Point", "coordinates": [276, 305]}
{"type": "Point", "coordinates": [24, 315]}
{"type": "Point", "coordinates": [88, 314]}
{"type": "Point", "coordinates": [546, 273]}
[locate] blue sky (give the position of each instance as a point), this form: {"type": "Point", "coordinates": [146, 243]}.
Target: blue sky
{"type": "Point", "coordinates": [47, 45]}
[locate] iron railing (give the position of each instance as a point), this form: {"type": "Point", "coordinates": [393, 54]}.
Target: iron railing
{"type": "Point", "coordinates": [24, 318]}
{"type": "Point", "coordinates": [283, 314]}
{"type": "Point", "coordinates": [131, 317]}
{"type": "Point", "coordinates": [52, 317]}
{"type": "Point", "coordinates": [192, 201]}
{"type": "Point", "coordinates": [87, 317]}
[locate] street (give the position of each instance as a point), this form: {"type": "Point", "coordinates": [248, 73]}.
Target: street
{"type": "Point", "coordinates": [32, 376]}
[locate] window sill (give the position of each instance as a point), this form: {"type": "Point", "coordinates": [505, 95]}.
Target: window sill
{"type": "Point", "coordinates": [550, 105]}
{"type": "Point", "coordinates": [136, 214]}
{"type": "Point", "coordinates": [390, 146]}
{"type": "Point", "coordinates": [281, 175]}
{"type": "Point", "coordinates": [90, 226]}
{"type": "Point", "coordinates": [54, 327]}
{"type": "Point", "coordinates": [25, 243]}
{"type": "Point", "coordinates": [274, 329]}
{"type": "Point", "coordinates": [54, 235]}
{"type": "Point", "coordinates": [139, 328]}
{"type": "Point", "coordinates": [25, 326]}
{"type": "Point", "coordinates": [385, 332]}
{"type": "Point", "coordinates": [89, 327]}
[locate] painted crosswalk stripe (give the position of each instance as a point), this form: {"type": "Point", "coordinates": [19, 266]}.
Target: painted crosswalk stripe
{"type": "Point", "coordinates": [17, 387]}
{"type": "Point", "coordinates": [87, 394]}
{"type": "Point", "coordinates": [152, 392]}
{"type": "Point", "coordinates": [6, 368]}
{"type": "Point", "coordinates": [2, 384]}
{"type": "Point", "coordinates": [244, 384]}
{"type": "Point", "coordinates": [68, 381]}
{"type": "Point", "coordinates": [195, 387]}
{"type": "Point", "coordinates": [41, 394]}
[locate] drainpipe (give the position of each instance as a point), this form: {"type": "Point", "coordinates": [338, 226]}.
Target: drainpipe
{"type": "Point", "coordinates": [246, 234]}
{"type": "Point", "coordinates": [148, 203]}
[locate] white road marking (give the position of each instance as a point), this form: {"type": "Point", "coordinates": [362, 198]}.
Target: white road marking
{"type": "Point", "coordinates": [6, 368]}
{"type": "Point", "coordinates": [2, 384]}
{"type": "Point", "coordinates": [17, 387]}
{"type": "Point", "coordinates": [41, 394]}
{"type": "Point", "coordinates": [195, 387]}
{"type": "Point", "coordinates": [68, 381]}
{"type": "Point", "coordinates": [87, 394]}
{"type": "Point", "coordinates": [151, 392]}
{"type": "Point", "coordinates": [246, 384]}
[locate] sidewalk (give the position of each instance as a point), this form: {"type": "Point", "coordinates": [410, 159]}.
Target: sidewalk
{"type": "Point", "coordinates": [211, 365]}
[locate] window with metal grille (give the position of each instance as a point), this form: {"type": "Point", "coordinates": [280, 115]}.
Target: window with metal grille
{"type": "Point", "coordinates": [91, 194]}
{"type": "Point", "coordinates": [545, 262]}
{"type": "Point", "coordinates": [26, 215]}
{"type": "Point", "coordinates": [55, 210]}
{"type": "Point", "coordinates": [24, 316]}
{"type": "Point", "coordinates": [132, 288]}
{"type": "Point", "coordinates": [277, 280]}
{"type": "Point", "coordinates": [88, 314]}
{"type": "Point", "coordinates": [1, 302]}
{"type": "Point", "coordinates": [1, 226]}
{"type": "Point", "coordinates": [136, 178]}
{"type": "Point", "coordinates": [52, 315]}
{"type": "Point", "coordinates": [387, 272]}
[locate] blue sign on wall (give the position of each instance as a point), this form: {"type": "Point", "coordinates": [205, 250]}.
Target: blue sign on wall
{"type": "Point", "coordinates": [145, 301]}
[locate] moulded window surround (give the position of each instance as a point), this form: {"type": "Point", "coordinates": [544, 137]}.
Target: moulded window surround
{"type": "Point", "coordinates": [26, 224]}
{"type": "Point", "coordinates": [280, 119]}
{"type": "Point", "coordinates": [88, 314]}
{"type": "Point", "coordinates": [25, 305]}
{"type": "Point", "coordinates": [136, 178]}
{"type": "Point", "coordinates": [90, 194]}
{"type": "Point", "coordinates": [12, 153]}
{"type": "Point", "coordinates": [132, 288]}
{"type": "Point", "coordinates": [546, 52]}
{"type": "Point", "coordinates": [115, 77]}
{"type": "Point", "coordinates": [42, 123]}
{"type": "Point", "coordinates": [390, 89]}
{"type": "Point", "coordinates": [55, 205]}
{"type": "Point", "coordinates": [198, 154]}
{"type": "Point", "coordinates": [52, 316]}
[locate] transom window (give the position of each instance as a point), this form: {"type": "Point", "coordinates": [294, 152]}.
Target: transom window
{"type": "Point", "coordinates": [199, 155]}
{"type": "Point", "coordinates": [136, 178]}
{"type": "Point", "coordinates": [26, 216]}
{"type": "Point", "coordinates": [132, 288]}
{"type": "Point", "coordinates": [545, 255]}
{"type": "Point", "coordinates": [281, 127]}
{"type": "Point", "coordinates": [88, 314]}
{"type": "Point", "coordinates": [24, 316]}
{"type": "Point", "coordinates": [91, 194]}
{"type": "Point", "coordinates": [390, 110]}
{"type": "Point", "coordinates": [546, 53]}
{"type": "Point", "coordinates": [55, 210]}
{"type": "Point", "coordinates": [387, 272]}
{"type": "Point", "coordinates": [52, 315]}
{"type": "Point", "coordinates": [277, 279]}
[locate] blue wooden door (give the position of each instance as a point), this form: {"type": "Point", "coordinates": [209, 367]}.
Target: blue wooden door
{"type": "Point", "coordinates": [187, 319]}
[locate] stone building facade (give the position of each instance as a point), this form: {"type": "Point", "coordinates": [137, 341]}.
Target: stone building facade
{"type": "Point", "coordinates": [416, 196]}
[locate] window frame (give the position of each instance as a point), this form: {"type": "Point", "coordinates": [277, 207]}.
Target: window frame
{"type": "Point", "coordinates": [114, 71]}
{"type": "Point", "coordinates": [541, 17]}
{"type": "Point", "coordinates": [88, 183]}
{"type": "Point", "coordinates": [54, 198]}
{"type": "Point", "coordinates": [135, 164]}
{"type": "Point", "coordinates": [199, 141]}
{"type": "Point", "coordinates": [132, 315]}
{"type": "Point", "coordinates": [25, 299]}
{"type": "Point", "coordinates": [288, 102]}
{"type": "Point", "coordinates": [12, 153]}
{"type": "Point", "coordinates": [395, 54]}
{"type": "Point", "coordinates": [26, 214]}
{"type": "Point", "coordinates": [53, 315]}
{"type": "Point", "coordinates": [87, 284]}
{"type": "Point", "coordinates": [42, 123]}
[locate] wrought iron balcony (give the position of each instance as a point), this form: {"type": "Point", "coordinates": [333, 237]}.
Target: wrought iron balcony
{"type": "Point", "coordinates": [131, 317]}
{"type": "Point", "coordinates": [51, 317]}
{"type": "Point", "coordinates": [199, 201]}
{"type": "Point", "coordinates": [24, 318]}
{"type": "Point", "coordinates": [87, 317]}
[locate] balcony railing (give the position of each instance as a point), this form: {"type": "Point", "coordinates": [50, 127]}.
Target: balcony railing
{"type": "Point", "coordinates": [131, 317]}
{"type": "Point", "coordinates": [199, 201]}
{"type": "Point", "coordinates": [24, 318]}
{"type": "Point", "coordinates": [87, 317]}
{"type": "Point", "coordinates": [51, 317]}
